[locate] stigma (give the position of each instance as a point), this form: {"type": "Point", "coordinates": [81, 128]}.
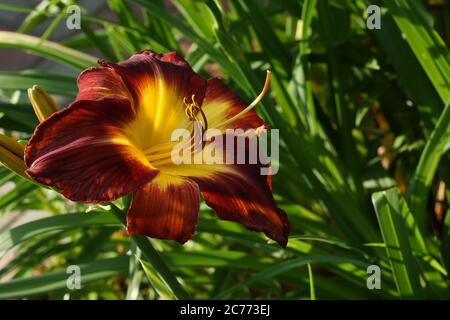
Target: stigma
{"type": "Point", "coordinates": [251, 105]}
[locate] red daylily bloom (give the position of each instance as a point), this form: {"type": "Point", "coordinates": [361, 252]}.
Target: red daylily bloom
{"type": "Point", "coordinates": [114, 139]}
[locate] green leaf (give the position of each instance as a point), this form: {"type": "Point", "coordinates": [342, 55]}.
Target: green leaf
{"type": "Point", "coordinates": [50, 82]}
{"type": "Point", "coordinates": [26, 231]}
{"type": "Point", "coordinates": [58, 18]}
{"type": "Point", "coordinates": [37, 16]}
{"type": "Point", "coordinates": [300, 84]}
{"type": "Point", "coordinates": [410, 73]}
{"type": "Point", "coordinates": [19, 117]}
{"type": "Point", "coordinates": [46, 49]}
{"type": "Point", "coordinates": [445, 244]}
{"type": "Point", "coordinates": [395, 222]}
{"type": "Point", "coordinates": [285, 266]}
{"type": "Point", "coordinates": [12, 198]}
{"type": "Point", "coordinates": [312, 289]}
{"type": "Point", "coordinates": [197, 15]}
{"type": "Point", "coordinates": [426, 169]}
{"type": "Point", "coordinates": [54, 280]}
{"type": "Point", "coordinates": [424, 41]}
{"type": "Point", "coordinates": [136, 274]}
{"type": "Point", "coordinates": [215, 258]}
{"type": "Point", "coordinates": [159, 286]}
{"type": "Point", "coordinates": [97, 42]}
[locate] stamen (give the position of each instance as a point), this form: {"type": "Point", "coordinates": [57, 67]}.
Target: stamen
{"type": "Point", "coordinates": [192, 109]}
{"type": "Point", "coordinates": [251, 105]}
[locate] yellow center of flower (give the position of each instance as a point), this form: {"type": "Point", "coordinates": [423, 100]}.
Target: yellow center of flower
{"type": "Point", "coordinates": [161, 154]}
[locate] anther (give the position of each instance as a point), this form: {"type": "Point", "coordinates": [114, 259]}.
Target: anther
{"type": "Point", "coordinates": [192, 109]}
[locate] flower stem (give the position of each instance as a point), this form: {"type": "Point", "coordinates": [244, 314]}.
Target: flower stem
{"type": "Point", "coordinates": [154, 258]}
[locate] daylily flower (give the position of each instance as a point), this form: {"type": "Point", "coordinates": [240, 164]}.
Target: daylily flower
{"type": "Point", "coordinates": [115, 140]}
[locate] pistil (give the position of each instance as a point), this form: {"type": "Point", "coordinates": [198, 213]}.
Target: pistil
{"type": "Point", "coordinates": [250, 106]}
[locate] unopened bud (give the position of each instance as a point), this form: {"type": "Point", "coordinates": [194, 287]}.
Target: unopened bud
{"type": "Point", "coordinates": [11, 155]}
{"type": "Point", "coordinates": [44, 105]}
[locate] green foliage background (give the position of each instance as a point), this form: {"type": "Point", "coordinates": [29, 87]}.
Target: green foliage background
{"type": "Point", "coordinates": [364, 176]}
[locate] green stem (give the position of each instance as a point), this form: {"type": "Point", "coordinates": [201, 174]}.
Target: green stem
{"type": "Point", "coordinates": [154, 259]}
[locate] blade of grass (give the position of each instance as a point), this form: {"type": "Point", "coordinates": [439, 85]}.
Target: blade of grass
{"type": "Point", "coordinates": [410, 73]}
{"type": "Point", "coordinates": [46, 49]}
{"type": "Point", "coordinates": [300, 84]}
{"type": "Point", "coordinates": [98, 42]}
{"type": "Point", "coordinates": [156, 282]}
{"type": "Point", "coordinates": [17, 117]}
{"type": "Point", "coordinates": [335, 24]}
{"type": "Point", "coordinates": [154, 259]}
{"type": "Point", "coordinates": [426, 168]}
{"type": "Point", "coordinates": [21, 233]}
{"type": "Point", "coordinates": [312, 289]}
{"type": "Point", "coordinates": [10, 199]}
{"type": "Point", "coordinates": [55, 280]}
{"type": "Point", "coordinates": [279, 268]}
{"type": "Point", "coordinates": [424, 42]}
{"type": "Point", "coordinates": [51, 82]}
{"type": "Point", "coordinates": [135, 278]}
{"type": "Point", "coordinates": [445, 243]}
{"type": "Point", "coordinates": [392, 214]}
{"type": "Point", "coordinates": [47, 33]}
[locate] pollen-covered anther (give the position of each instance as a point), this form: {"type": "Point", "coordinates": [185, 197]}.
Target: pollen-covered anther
{"type": "Point", "coordinates": [192, 109]}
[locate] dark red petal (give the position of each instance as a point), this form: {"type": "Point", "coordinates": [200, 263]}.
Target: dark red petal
{"type": "Point", "coordinates": [97, 83]}
{"type": "Point", "coordinates": [246, 199]}
{"type": "Point", "coordinates": [165, 208]}
{"type": "Point", "coordinates": [243, 195]}
{"type": "Point", "coordinates": [221, 104]}
{"type": "Point", "coordinates": [168, 69]}
{"type": "Point", "coordinates": [83, 152]}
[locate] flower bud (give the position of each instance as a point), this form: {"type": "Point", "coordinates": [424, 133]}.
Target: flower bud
{"type": "Point", "coordinates": [11, 155]}
{"type": "Point", "coordinates": [43, 105]}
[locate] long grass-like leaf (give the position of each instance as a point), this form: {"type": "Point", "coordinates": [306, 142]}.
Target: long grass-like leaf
{"type": "Point", "coordinates": [393, 217]}
{"type": "Point", "coordinates": [29, 230]}
{"type": "Point", "coordinates": [55, 280]}
{"type": "Point", "coordinates": [46, 49]}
